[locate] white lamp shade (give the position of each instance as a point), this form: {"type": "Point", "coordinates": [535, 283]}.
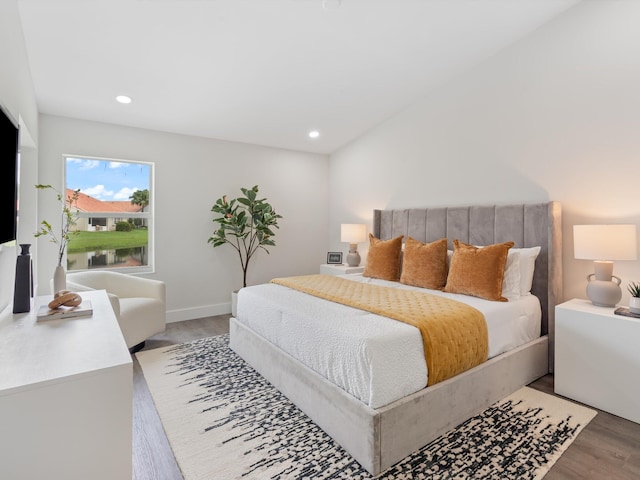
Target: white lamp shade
{"type": "Point", "coordinates": [353, 232]}
{"type": "Point", "coordinates": [605, 242]}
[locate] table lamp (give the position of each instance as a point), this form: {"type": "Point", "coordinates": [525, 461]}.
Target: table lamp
{"type": "Point", "coordinates": [353, 233]}
{"type": "Point", "coordinates": [603, 244]}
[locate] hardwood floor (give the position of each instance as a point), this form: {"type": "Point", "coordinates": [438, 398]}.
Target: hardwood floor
{"type": "Point", "coordinates": [152, 455]}
{"type": "Point", "coordinates": [607, 449]}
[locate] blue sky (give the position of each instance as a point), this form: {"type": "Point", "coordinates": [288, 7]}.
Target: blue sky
{"type": "Point", "coordinates": [106, 179]}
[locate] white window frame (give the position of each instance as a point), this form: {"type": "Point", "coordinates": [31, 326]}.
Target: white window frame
{"type": "Point", "coordinates": [149, 216]}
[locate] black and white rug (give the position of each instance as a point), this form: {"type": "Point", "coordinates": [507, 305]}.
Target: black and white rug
{"type": "Point", "coordinates": [224, 421]}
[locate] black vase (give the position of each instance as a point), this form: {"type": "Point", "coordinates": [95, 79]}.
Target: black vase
{"type": "Point", "coordinates": [23, 290]}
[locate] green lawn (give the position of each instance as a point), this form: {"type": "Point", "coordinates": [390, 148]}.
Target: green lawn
{"type": "Point", "coordinates": [92, 241]}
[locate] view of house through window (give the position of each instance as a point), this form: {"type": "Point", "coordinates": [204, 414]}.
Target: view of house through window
{"type": "Point", "coordinates": [115, 224]}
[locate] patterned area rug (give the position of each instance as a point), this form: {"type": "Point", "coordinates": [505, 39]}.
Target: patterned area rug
{"type": "Point", "coordinates": [224, 421]}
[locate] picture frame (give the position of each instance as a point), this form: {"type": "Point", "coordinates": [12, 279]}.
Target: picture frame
{"type": "Point", "coordinates": [334, 258]}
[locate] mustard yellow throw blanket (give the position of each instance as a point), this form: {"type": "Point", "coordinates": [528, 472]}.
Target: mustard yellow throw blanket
{"type": "Point", "coordinates": [454, 334]}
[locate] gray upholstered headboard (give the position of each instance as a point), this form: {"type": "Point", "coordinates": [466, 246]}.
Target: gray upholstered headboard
{"type": "Point", "coordinates": [528, 225]}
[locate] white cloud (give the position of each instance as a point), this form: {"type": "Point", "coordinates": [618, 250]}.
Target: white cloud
{"type": "Point", "coordinates": [99, 192]}
{"type": "Point", "coordinates": [124, 193]}
{"type": "Point", "coordinates": [118, 165]}
{"type": "Point", "coordinates": [85, 163]}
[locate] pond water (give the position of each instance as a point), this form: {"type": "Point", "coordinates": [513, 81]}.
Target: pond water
{"type": "Point", "coordinates": [122, 257]}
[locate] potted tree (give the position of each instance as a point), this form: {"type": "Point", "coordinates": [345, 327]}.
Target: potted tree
{"type": "Point", "coordinates": [246, 223]}
{"type": "Point", "coordinates": [634, 301]}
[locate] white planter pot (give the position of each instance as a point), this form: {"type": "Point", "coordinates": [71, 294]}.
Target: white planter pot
{"type": "Point", "coordinates": [234, 303]}
{"type": "Point", "coordinates": [634, 305]}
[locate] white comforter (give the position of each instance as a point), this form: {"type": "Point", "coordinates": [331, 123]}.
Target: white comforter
{"type": "Point", "coordinates": [376, 359]}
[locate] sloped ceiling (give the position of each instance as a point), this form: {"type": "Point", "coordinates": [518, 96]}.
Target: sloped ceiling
{"type": "Point", "coordinates": [261, 71]}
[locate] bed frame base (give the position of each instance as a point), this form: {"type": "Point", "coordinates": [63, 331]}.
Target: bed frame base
{"type": "Point", "coordinates": [379, 438]}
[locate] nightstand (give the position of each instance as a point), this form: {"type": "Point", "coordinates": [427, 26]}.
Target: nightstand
{"type": "Point", "coordinates": [331, 269]}
{"type": "Point", "coordinates": [597, 358]}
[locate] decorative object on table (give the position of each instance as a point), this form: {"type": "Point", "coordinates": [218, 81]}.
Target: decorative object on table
{"type": "Point", "coordinates": [626, 312]}
{"type": "Point", "coordinates": [634, 302]}
{"type": "Point", "coordinates": [353, 233]}
{"type": "Point", "coordinates": [334, 258]}
{"type": "Point", "coordinates": [23, 289]}
{"type": "Point", "coordinates": [65, 298]}
{"type": "Point", "coordinates": [68, 219]}
{"type": "Point", "coordinates": [83, 309]}
{"type": "Point", "coordinates": [246, 223]}
{"type": "Point", "coordinates": [603, 244]}
{"type": "Point", "coordinates": [59, 278]}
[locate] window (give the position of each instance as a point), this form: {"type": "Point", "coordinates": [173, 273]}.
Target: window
{"type": "Point", "coordinates": [115, 214]}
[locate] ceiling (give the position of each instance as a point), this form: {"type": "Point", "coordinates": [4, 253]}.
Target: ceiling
{"type": "Point", "coordinates": [261, 71]}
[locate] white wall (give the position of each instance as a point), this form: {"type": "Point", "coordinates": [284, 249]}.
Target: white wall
{"type": "Point", "coordinates": [190, 174]}
{"type": "Point", "coordinates": [17, 96]}
{"type": "Point", "coordinates": [554, 117]}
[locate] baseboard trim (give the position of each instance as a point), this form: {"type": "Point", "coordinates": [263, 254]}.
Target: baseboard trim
{"type": "Point", "coordinates": [180, 315]}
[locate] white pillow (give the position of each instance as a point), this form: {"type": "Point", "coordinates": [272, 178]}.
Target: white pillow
{"type": "Point", "coordinates": [527, 266]}
{"type": "Point", "coordinates": [511, 280]}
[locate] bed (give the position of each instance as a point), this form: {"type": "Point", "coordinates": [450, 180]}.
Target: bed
{"type": "Point", "coordinates": [379, 436]}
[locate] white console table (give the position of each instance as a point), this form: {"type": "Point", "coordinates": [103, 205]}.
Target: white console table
{"type": "Point", "coordinates": [65, 395]}
{"type": "Point", "coordinates": [597, 358]}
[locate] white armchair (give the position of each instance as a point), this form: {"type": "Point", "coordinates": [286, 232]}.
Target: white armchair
{"type": "Point", "coordinates": [139, 303]}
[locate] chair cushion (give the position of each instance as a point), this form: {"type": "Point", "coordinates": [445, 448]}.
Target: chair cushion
{"type": "Point", "coordinates": [76, 287]}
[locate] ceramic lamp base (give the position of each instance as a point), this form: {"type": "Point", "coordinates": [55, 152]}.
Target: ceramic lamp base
{"type": "Point", "coordinates": [603, 293]}
{"type": "Point", "coordinates": [353, 257]}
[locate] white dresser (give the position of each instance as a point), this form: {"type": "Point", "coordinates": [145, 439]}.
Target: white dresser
{"type": "Point", "coordinates": [597, 358]}
{"type": "Point", "coordinates": [65, 396]}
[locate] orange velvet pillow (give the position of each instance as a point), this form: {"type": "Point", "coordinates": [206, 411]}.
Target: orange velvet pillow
{"type": "Point", "coordinates": [478, 271]}
{"type": "Point", "coordinates": [383, 259]}
{"type": "Point", "coordinates": [425, 264]}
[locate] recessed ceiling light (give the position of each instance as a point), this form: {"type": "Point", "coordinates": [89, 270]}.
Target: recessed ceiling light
{"type": "Point", "coordinates": [314, 134]}
{"type": "Point", "coordinates": [123, 99]}
{"type": "Point", "coordinates": [331, 4]}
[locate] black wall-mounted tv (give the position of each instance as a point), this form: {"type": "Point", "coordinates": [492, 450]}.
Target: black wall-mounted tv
{"type": "Point", "coordinates": [9, 141]}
